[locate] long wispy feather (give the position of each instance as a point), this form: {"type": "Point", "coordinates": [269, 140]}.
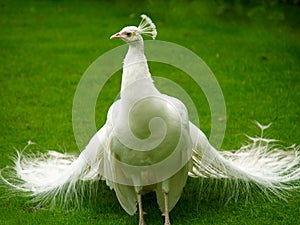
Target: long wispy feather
{"type": "Point", "coordinates": [64, 179]}
{"type": "Point", "coordinates": [269, 166]}
{"type": "Point", "coordinates": [58, 178]}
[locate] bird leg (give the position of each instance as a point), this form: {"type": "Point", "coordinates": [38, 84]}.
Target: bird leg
{"type": "Point", "coordinates": [141, 212]}
{"type": "Point", "coordinates": [166, 213]}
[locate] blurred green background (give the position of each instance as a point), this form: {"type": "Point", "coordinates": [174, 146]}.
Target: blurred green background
{"type": "Point", "coordinates": [252, 47]}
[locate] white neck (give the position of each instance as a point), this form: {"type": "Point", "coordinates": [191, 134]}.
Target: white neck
{"type": "Point", "coordinates": [135, 65]}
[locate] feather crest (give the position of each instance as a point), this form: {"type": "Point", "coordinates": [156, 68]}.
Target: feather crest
{"type": "Point", "coordinates": [147, 27]}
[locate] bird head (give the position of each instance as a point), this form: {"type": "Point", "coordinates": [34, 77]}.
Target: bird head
{"type": "Point", "coordinates": [132, 33]}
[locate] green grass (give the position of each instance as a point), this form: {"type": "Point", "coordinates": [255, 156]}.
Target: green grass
{"type": "Point", "coordinates": [46, 46]}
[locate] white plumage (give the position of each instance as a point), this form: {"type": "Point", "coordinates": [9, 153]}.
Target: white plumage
{"type": "Point", "coordinates": [148, 144]}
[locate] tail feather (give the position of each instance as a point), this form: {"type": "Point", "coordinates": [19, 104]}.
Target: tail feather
{"type": "Point", "coordinates": [56, 177]}
{"type": "Point", "coordinates": [60, 178]}
{"type": "Point", "coordinates": [272, 168]}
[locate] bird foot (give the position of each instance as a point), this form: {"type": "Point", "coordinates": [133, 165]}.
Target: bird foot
{"type": "Point", "coordinates": [141, 211]}
{"type": "Point", "coordinates": [167, 219]}
{"type": "Point", "coordinates": [142, 223]}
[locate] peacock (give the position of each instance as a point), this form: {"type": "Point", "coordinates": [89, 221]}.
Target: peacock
{"type": "Point", "coordinates": [148, 144]}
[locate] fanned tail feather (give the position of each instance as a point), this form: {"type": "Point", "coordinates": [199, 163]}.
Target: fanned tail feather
{"type": "Point", "coordinates": [58, 178]}
{"type": "Point", "coordinates": [61, 178]}
{"type": "Point", "coordinates": [270, 167]}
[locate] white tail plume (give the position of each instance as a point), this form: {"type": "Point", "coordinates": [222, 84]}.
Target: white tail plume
{"type": "Point", "coordinates": [59, 178]}
{"type": "Point", "coordinates": [56, 177]}
{"type": "Point", "coordinates": [273, 168]}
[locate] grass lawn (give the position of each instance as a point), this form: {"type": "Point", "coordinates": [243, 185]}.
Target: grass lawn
{"type": "Point", "coordinates": [46, 46]}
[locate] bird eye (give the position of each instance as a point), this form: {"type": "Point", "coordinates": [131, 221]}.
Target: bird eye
{"type": "Point", "coordinates": [128, 34]}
